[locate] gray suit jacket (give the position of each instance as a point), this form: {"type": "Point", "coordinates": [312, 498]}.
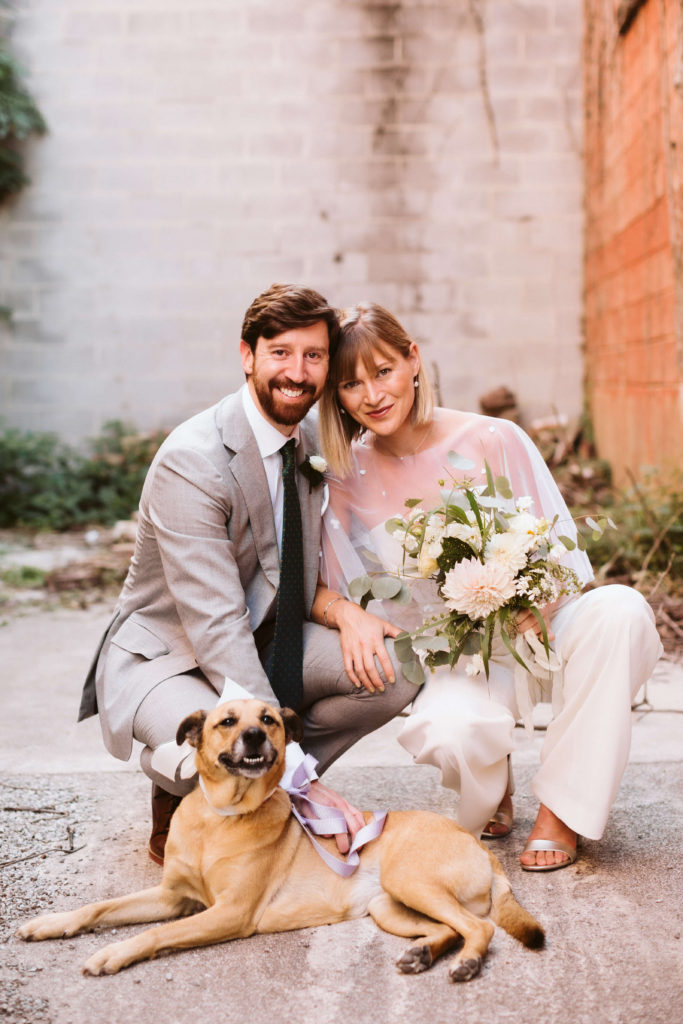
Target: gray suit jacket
{"type": "Point", "coordinates": [205, 571]}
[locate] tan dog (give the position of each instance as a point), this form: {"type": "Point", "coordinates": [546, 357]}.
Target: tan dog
{"type": "Point", "coordinates": [237, 854]}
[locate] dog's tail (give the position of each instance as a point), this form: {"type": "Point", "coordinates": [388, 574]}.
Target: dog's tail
{"type": "Point", "coordinates": [511, 915]}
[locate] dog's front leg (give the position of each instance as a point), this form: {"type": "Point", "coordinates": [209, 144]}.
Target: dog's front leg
{"type": "Point", "coordinates": [156, 904]}
{"type": "Point", "coordinates": [217, 924]}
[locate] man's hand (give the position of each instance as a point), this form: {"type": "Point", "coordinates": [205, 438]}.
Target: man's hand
{"type": "Point", "coordinates": [362, 636]}
{"type": "Point", "coordinates": [321, 794]}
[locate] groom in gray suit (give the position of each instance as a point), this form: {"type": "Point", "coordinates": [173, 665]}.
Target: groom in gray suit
{"type": "Point", "coordinates": [200, 599]}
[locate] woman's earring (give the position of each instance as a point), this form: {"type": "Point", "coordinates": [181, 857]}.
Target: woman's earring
{"type": "Point", "coordinates": [342, 410]}
{"type": "Point", "coordinates": [416, 382]}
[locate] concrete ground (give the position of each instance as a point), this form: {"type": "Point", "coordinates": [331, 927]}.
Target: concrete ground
{"type": "Point", "coordinates": [74, 825]}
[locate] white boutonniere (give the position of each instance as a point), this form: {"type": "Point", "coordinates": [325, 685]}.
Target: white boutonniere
{"type": "Point", "coordinates": [314, 468]}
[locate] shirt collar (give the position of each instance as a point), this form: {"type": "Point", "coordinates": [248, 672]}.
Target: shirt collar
{"type": "Point", "coordinates": [268, 438]}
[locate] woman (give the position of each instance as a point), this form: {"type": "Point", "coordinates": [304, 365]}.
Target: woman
{"type": "Point", "coordinates": [386, 443]}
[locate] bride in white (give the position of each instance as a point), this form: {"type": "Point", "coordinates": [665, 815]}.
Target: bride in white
{"type": "Point", "coordinates": [385, 442]}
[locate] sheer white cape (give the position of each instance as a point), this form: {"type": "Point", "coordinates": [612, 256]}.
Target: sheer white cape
{"type": "Point", "coordinates": [355, 541]}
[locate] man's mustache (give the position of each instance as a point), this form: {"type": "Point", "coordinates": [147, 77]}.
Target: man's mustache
{"type": "Point", "coordinates": [286, 382]}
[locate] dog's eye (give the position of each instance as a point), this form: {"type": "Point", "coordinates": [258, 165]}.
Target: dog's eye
{"type": "Point", "coordinates": [228, 722]}
{"type": "Point", "coordinates": [268, 720]}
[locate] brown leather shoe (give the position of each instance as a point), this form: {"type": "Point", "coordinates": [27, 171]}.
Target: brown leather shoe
{"type": "Point", "coordinates": [163, 806]}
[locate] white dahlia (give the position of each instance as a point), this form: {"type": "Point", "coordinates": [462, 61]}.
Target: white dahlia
{"type": "Point", "coordinates": [476, 589]}
{"type": "Point", "coordinates": [508, 550]}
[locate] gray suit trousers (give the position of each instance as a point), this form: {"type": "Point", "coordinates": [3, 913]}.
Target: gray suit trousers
{"type": "Point", "coordinates": [334, 713]}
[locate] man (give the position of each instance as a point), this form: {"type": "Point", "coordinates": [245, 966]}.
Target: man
{"type": "Point", "coordinates": [200, 602]}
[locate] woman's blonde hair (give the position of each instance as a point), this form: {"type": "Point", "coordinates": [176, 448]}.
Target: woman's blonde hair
{"type": "Point", "coordinates": [364, 329]}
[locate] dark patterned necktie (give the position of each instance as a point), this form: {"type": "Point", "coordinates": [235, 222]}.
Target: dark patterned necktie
{"type": "Point", "coordinates": [285, 664]}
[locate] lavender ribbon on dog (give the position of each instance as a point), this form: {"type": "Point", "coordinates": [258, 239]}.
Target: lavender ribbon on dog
{"type": "Point", "coordinates": [329, 821]}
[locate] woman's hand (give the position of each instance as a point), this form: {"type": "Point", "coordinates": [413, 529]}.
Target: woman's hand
{"type": "Point", "coordinates": [362, 636]}
{"type": "Point", "coordinates": [527, 620]}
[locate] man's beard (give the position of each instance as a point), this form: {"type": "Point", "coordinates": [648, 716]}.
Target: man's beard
{"type": "Point", "coordinates": [282, 412]}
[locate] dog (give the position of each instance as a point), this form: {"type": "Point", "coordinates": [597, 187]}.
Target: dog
{"type": "Point", "coordinates": [238, 862]}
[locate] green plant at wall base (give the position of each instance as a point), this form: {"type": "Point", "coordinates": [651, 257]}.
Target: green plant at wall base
{"type": "Point", "coordinates": [46, 485]}
{"type": "Point", "coordinates": [40, 483]}
{"type": "Point", "coordinates": [648, 545]}
{"type": "Point", "coordinates": [117, 468]}
{"type": "Point", "coordinates": [19, 118]}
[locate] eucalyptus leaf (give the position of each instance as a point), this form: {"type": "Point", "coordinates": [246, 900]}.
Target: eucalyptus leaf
{"type": "Point", "coordinates": [431, 643]}
{"type": "Point", "coordinates": [592, 523]}
{"type": "Point", "coordinates": [394, 524]}
{"type": "Point", "coordinates": [360, 586]}
{"type": "Point", "coordinates": [403, 647]}
{"type": "Point", "coordinates": [459, 461]}
{"type": "Point", "coordinates": [472, 644]}
{"type": "Point", "coordinates": [412, 502]}
{"type": "Point", "coordinates": [413, 672]}
{"type": "Point", "coordinates": [568, 542]}
{"type": "Point", "coordinates": [369, 556]}
{"type": "Point", "coordinates": [385, 587]}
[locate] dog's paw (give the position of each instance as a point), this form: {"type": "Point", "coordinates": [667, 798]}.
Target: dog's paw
{"type": "Point", "coordinates": [49, 926]}
{"type": "Point", "coordinates": [415, 960]}
{"type": "Point", "coordinates": [110, 959]}
{"type": "Point", "coordinates": [465, 970]}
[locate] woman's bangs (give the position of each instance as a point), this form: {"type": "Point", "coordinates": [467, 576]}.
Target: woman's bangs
{"type": "Point", "coordinates": [361, 345]}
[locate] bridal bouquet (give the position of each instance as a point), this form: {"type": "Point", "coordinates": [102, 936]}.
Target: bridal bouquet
{"type": "Point", "coordinates": [491, 558]}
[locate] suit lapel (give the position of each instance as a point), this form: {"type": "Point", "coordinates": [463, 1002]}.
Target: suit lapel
{"type": "Point", "coordinates": [311, 504]}
{"type": "Point", "coordinates": [247, 469]}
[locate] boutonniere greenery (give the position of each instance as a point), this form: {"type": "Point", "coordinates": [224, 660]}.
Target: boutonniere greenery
{"type": "Point", "coordinates": [314, 468]}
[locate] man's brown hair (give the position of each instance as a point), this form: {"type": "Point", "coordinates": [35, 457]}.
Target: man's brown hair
{"type": "Point", "coordinates": [284, 307]}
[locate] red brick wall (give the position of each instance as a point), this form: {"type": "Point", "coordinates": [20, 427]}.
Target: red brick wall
{"type": "Point", "coordinates": [634, 226]}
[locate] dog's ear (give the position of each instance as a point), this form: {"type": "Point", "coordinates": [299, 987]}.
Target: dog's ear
{"type": "Point", "coordinates": [294, 730]}
{"type": "Point", "coordinates": [190, 729]}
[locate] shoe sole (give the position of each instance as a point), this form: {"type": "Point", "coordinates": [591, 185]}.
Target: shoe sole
{"type": "Point", "coordinates": [155, 857]}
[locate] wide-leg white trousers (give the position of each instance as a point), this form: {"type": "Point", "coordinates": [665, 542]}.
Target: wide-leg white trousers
{"type": "Point", "coordinates": [464, 726]}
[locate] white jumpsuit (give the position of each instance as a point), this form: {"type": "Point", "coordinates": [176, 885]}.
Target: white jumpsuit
{"type": "Point", "coordinates": [605, 638]}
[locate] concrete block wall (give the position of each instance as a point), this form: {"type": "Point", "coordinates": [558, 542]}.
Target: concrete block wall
{"type": "Point", "coordinates": [426, 155]}
{"type": "Point", "coordinates": [634, 235]}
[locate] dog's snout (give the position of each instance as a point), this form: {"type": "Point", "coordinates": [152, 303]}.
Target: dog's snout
{"type": "Point", "coordinates": [253, 737]}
